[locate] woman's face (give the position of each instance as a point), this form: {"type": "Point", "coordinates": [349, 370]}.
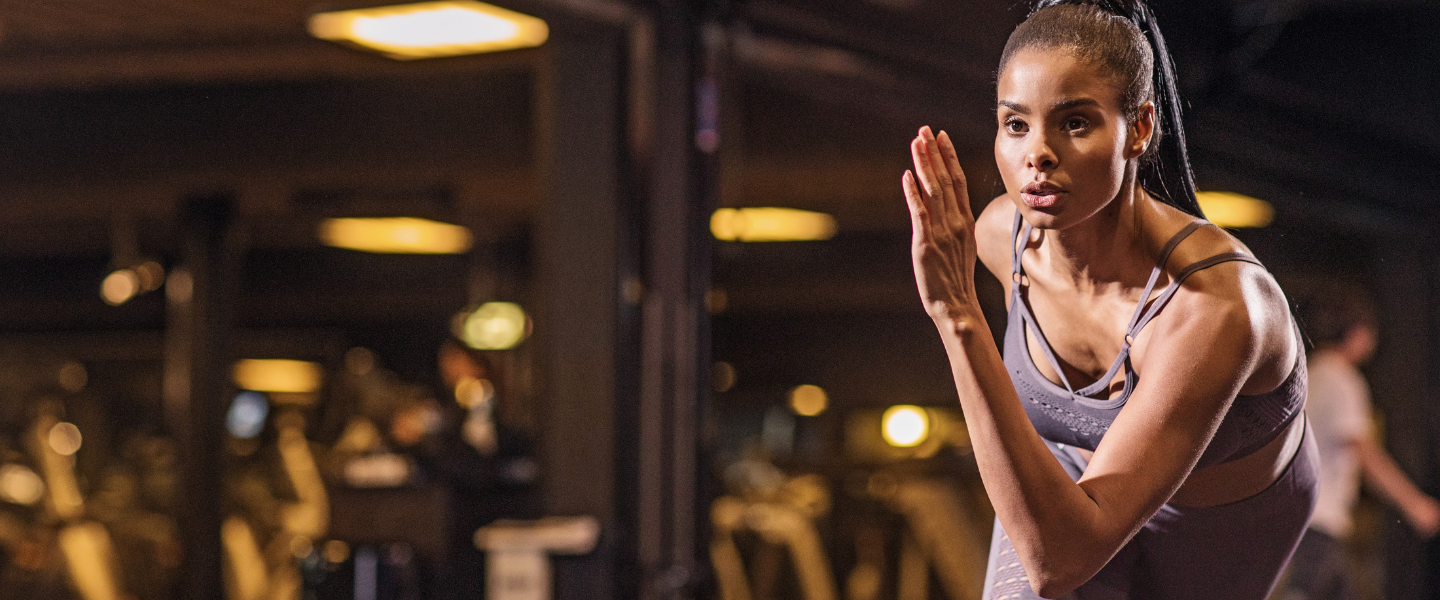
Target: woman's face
{"type": "Point", "coordinates": [1063, 143]}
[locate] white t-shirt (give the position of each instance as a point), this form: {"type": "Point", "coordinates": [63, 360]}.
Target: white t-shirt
{"type": "Point", "coordinates": [1338, 407]}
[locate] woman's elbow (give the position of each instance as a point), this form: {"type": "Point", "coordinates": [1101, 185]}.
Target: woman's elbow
{"type": "Point", "coordinates": [1046, 586]}
{"type": "Point", "coordinates": [1056, 580]}
{"type": "Point", "coordinates": [1060, 563]}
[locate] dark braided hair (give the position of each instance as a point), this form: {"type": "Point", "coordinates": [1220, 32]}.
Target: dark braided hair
{"type": "Point", "coordinates": [1122, 38]}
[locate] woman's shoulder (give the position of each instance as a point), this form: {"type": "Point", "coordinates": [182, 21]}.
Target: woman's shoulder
{"type": "Point", "coordinates": [1208, 240]}
{"type": "Point", "coordinates": [1238, 287]}
{"type": "Point", "coordinates": [1214, 262]}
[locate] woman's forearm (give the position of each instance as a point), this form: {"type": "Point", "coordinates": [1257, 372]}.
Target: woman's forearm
{"type": "Point", "coordinates": [1051, 521]}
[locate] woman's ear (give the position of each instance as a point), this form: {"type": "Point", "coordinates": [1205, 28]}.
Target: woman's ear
{"type": "Point", "coordinates": [1141, 131]}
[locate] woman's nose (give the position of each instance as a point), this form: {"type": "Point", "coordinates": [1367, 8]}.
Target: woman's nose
{"type": "Point", "coordinates": [1039, 155]}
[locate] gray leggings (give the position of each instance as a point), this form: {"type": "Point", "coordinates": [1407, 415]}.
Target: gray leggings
{"type": "Point", "coordinates": [1233, 551]}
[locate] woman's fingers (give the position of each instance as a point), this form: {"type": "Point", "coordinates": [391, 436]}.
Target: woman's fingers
{"type": "Point", "coordinates": [957, 175]}
{"type": "Point", "coordinates": [919, 218]}
{"type": "Point", "coordinates": [941, 234]}
{"type": "Point", "coordinates": [925, 173]}
{"type": "Point", "coordinates": [944, 179]}
{"type": "Point", "coordinates": [954, 198]}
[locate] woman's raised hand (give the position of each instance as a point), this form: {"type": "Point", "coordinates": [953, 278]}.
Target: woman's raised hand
{"type": "Point", "coordinates": [943, 228]}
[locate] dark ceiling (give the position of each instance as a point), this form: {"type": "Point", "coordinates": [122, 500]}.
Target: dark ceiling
{"type": "Point", "coordinates": [1307, 103]}
{"type": "Point", "coordinates": [1324, 108]}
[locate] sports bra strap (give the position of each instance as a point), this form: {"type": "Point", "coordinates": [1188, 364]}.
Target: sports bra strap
{"type": "Point", "coordinates": [1028, 320]}
{"type": "Point", "coordinates": [1138, 319]}
{"type": "Point", "coordinates": [1180, 279]}
{"type": "Point", "coordinates": [1017, 249]}
{"type": "Point", "coordinates": [1160, 268]}
{"type": "Point", "coordinates": [1018, 241]}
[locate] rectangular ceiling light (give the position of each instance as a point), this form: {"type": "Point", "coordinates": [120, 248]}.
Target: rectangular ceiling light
{"type": "Point", "coordinates": [771, 224]}
{"type": "Point", "coordinates": [431, 29]}
{"type": "Point", "coordinates": [1234, 211]}
{"type": "Point", "coordinates": [277, 375]}
{"type": "Point", "coordinates": [396, 235]}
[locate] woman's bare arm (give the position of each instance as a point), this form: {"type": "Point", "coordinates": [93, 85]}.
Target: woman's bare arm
{"type": "Point", "coordinates": [1065, 531]}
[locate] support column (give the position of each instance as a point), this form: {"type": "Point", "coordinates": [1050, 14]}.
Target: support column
{"type": "Point", "coordinates": [675, 344]}
{"type": "Point", "coordinates": [198, 352]}
{"type": "Point", "coordinates": [578, 109]}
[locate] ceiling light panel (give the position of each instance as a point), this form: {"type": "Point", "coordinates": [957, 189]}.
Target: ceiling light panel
{"type": "Point", "coordinates": [1233, 211]}
{"type": "Point", "coordinates": [431, 29]}
{"type": "Point", "coordinates": [396, 235]}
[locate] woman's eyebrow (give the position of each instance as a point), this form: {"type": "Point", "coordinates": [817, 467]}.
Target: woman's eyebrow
{"type": "Point", "coordinates": [1072, 103]}
{"type": "Point", "coordinates": [1058, 106]}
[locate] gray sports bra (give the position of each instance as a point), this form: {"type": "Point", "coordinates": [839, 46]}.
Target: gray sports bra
{"type": "Point", "coordinates": [1081, 417]}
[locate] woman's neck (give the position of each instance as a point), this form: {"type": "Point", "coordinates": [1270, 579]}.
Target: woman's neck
{"type": "Point", "coordinates": [1100, 253]}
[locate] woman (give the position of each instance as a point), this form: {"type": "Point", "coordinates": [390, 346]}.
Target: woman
{"type": "Point", "coordinates": [1183, 470]}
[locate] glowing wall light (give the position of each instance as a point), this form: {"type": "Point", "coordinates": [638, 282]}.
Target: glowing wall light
{"type": "Point", "coordinates": [123, 284]}
{"type": "Point", "coordinates": [336, 551]}
{"type": "Point", "coordinates": [73, 377]}
{"type": "Point", "coordinates": [809, 400]}
{"type": "Point", "coordinates": [246, 417]}
{"type": "Point", "coordinates": [277, 375]}
{"type": "Point", "coordinates": [396, 235]}
{"type": "Point", "coordinates": [119, 287]}
{"type": "Point", "coordinates": [771, 225]}
{"type": "Point", "coordinates": [725, 376]}
{"type": "Point", "coordinates": [20, 485]}
{"type": "Point", "coordinates": [905, 426]}
{"type": "Point", "coordinates": [431, 29]}
{"type": "Point", "coordinates": [495, 326]}
{"type": "Point", "coordinates": [64, 439]}
{"type": "Point", "coordinates": [471, 392]}
{"type": "Point", "coordinates": [1231, 210]}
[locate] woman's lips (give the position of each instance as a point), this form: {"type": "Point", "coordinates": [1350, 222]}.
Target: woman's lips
{"type": "Point", "coordinates": [1040, 199]}
{"type": "Point", "coordinates": [1040, 194]}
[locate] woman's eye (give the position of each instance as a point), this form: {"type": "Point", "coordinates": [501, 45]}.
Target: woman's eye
{"type": "Point", "coordinates": [1075, 123]}
{"type": "Point", "coordinates": [1014, 126]}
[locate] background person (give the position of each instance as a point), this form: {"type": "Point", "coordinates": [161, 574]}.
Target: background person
{"type": "Point", "coordinates": [1342, 327]}
{"type": "Point", "coordinates": [488, 467]}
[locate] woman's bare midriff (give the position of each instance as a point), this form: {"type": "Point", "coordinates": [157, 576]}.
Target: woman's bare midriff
{"type": "Point", "coordinates": [1241, 478]}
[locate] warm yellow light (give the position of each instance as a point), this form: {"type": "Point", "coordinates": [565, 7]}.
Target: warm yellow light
{"type": "Point", "coordinates": [151, 275]}
{"type": "Point", "coordinates": [1231, 210]}
{"type": "Point", "coordinates": [771, 225]}
{"type": "Point", "coordinates": [431, 29]}
{"type": "Point", "coordinates": [725, 376]}
{"type": "Point", "coordinates": [277, 375]}
{"type": "Point", "coordinates": [360, 361]}
{"type": "Point", "coordinates": [471, 392]}
{"type": "Point", "coordinates": [495, 326]}
{"type": "Point", "coordinates": [905, 426]}
{"type": "Point", "coordinates": [300, 547]}
{"type": "Point", "coordinates": [808, 400]}
{"type": "Point", "coordinates": [336, 551]}
{"type": "Point", "coordinates": [20, 485]}
{"type": "Point", "coordinates": [64, 438]}
{"type": "Point", "coordinates": [89, 553]}
{"type": "Point", "coordinates": [396, 235]}
{"type": "Point", "coordinates": [119, 287]}
{"type": "Point", "coordinates": [73, 376]}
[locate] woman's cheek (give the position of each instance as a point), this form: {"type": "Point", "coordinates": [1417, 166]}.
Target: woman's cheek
{"type": "Point", "coordinates": [1004, 150]}
{"type": "Point", "coordinates": [1104, 162]}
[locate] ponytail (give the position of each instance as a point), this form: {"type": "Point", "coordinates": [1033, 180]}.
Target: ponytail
{"type": "Point", "coordinates": [1165, 168]}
